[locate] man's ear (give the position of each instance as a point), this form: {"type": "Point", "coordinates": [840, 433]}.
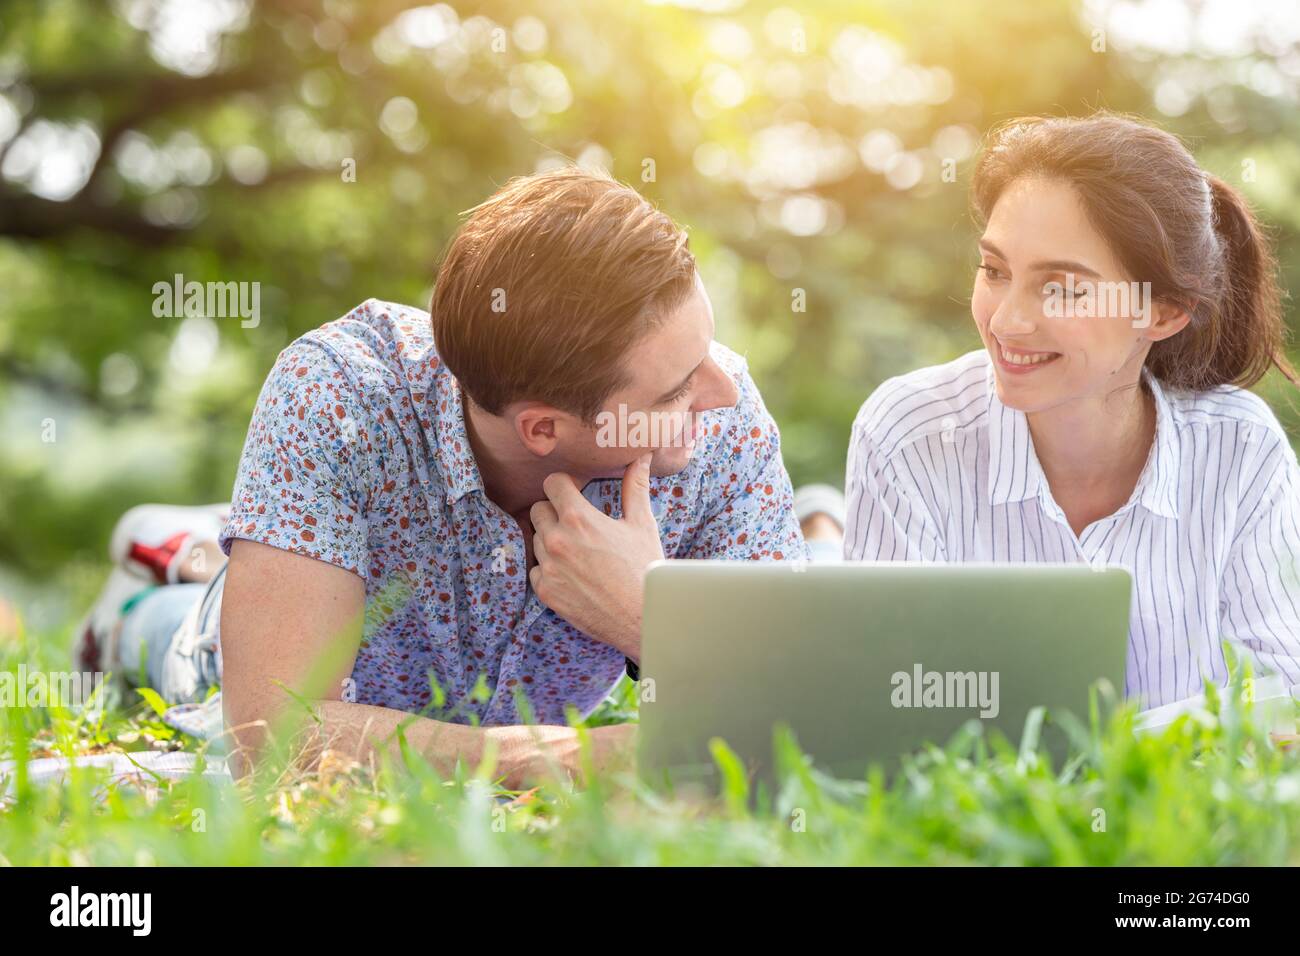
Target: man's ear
{"type": "Point", "coordinates": [1167, 318]}
{"type": "Point", "coordinates": [538, 427]}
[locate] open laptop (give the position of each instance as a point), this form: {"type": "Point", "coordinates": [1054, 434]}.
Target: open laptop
{"type": "Point", "coordinates": [864, 661]}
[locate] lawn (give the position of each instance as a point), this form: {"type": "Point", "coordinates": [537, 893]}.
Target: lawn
{"type": "Point", "coordinates": [1211, 790]}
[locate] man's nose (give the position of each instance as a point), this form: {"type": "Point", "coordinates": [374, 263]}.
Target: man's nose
{"type": "Point", "coordinates": [719, 390]}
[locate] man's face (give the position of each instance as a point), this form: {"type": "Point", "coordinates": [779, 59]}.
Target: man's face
{"type": "Point", "coordinates": [672, 380]}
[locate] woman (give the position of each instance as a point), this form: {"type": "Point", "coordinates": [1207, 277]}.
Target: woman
{"type": "Point", "coordinates": [1125, 299]}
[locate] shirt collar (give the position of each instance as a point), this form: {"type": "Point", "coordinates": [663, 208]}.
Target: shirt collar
{"type": "Point", "coordinates": [1158, 484]}
{"type": "Point", "coordinates": [1016, 475]}
{"type": "Point", "coordinates": [1014, 472]}
{"type": "Point", "coordinates": [450, 441]}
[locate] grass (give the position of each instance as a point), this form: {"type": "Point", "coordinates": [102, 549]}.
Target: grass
{"type": "Point", "coordinates": [1209, 791]}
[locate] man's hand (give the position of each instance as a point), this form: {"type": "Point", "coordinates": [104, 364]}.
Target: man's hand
{"type": "Point", "coordinates": [590, 568]}
{"type": "Point", "coordinates": [536, 753]}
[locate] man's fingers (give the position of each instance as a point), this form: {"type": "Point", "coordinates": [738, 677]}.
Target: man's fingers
{"type": "Point", "coordinates": [539, 550]}
{"type": "Point", "coordinates": [564, 493]}
{"type": "Point", "coordinates": [542, 514]}
{"type": "Point", "coordinates": [636, 491]}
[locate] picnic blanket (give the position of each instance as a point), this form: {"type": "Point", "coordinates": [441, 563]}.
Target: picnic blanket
{"type": "Point", "coordinates": [198, 720]}
{"type": "Point", "coordinates": [143, 766]}
{"type": "Point", "coordinates": [1273, 700]}
{"type": "Point", "coordinates": [202, 721]}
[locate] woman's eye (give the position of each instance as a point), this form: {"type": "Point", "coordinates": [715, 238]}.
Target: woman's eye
{"type": "Point", "coordinates": [992, 272]}
{"type": "Point", "coordinates": [1068, 291]}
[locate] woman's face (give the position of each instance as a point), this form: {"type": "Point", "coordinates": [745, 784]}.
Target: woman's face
{"type": "Point", "coordinates": [1081, 338]}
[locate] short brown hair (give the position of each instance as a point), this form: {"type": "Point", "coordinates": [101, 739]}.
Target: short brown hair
{"type": "Point", "coordinates": [549, 283]}
{"type": "Point", "coordinates": [1188, 233]}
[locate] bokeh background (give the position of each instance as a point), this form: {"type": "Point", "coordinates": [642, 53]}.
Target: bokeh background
{"type": "Point", "coordinates": [822, 147]}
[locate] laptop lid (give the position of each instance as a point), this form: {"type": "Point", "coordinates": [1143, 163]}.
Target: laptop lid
{"type": "Point", "coordinates": [864, 661]}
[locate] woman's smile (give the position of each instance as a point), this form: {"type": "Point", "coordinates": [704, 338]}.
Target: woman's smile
{"type": "Point", "coordinates": [1021, 361]}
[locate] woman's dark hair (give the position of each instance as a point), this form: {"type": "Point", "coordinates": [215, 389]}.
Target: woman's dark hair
{"type": "Point", "coordinates": [1189, 234]}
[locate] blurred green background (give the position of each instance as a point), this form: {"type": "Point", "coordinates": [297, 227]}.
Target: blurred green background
{"type": "Point", "coordinates": [823, 147]}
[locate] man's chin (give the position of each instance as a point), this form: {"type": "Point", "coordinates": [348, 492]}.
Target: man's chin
{"type": "Point", "coordinates": [667, 461]}
{"type": "Point", "coordinates": [670, 461]}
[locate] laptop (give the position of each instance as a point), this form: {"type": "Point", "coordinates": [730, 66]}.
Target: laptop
{"type": "Point", "coordinates": [864, 662]}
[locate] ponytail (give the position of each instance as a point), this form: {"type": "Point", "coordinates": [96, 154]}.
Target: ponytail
{"type": "Point", "coordinates": [1249, 320]}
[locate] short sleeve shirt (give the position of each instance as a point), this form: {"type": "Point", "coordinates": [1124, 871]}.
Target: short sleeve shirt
{"type": "Point", "coordinates": [357, 455]}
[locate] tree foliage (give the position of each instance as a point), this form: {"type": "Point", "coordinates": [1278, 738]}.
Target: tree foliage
{"type": "Point", "coordinates": [818, 152]}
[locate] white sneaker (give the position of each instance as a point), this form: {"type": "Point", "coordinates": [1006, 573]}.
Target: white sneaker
{"type": "Point", "coordinates": [152, 541]}
{"type": "Point", "coordinates": [147, 547]}
{"type": "Point", "coordinates": [820, 499]}
{"type": "Point", "coordinates": [95, 647]}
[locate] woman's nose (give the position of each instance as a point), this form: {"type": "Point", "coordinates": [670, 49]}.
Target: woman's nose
{"type": "Point", "coordinates": [1017, 314]}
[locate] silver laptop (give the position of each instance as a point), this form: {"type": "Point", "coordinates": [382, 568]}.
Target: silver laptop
{"type": "Point", "coordinates": [864, 662]}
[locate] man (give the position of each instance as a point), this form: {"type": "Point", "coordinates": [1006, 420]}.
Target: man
{"type": "Point", "coordinates": [450, 514]}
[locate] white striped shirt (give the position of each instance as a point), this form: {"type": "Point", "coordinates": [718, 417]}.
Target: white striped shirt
{"type": "Point", "coordinates": [940, 470]}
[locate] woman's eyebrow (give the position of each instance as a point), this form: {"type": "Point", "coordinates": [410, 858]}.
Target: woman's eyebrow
{"type": "Point", "coordinates": [1065, 265]}
{"type": "Point", "coordinates": [1046, 265]}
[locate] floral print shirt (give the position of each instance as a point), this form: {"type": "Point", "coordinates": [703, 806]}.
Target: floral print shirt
{"type": "Point", "coordinates": [357, 455]}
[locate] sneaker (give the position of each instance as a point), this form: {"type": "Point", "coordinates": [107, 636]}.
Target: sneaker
{"type": "Point", "coordinates": [95, 650]}
{"type": "Point", "coordinates": [819, 499]}
{"type": "Point", "coordinates": [147, 547]}
{"type": "Point", "coordinates": [152, 541]}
